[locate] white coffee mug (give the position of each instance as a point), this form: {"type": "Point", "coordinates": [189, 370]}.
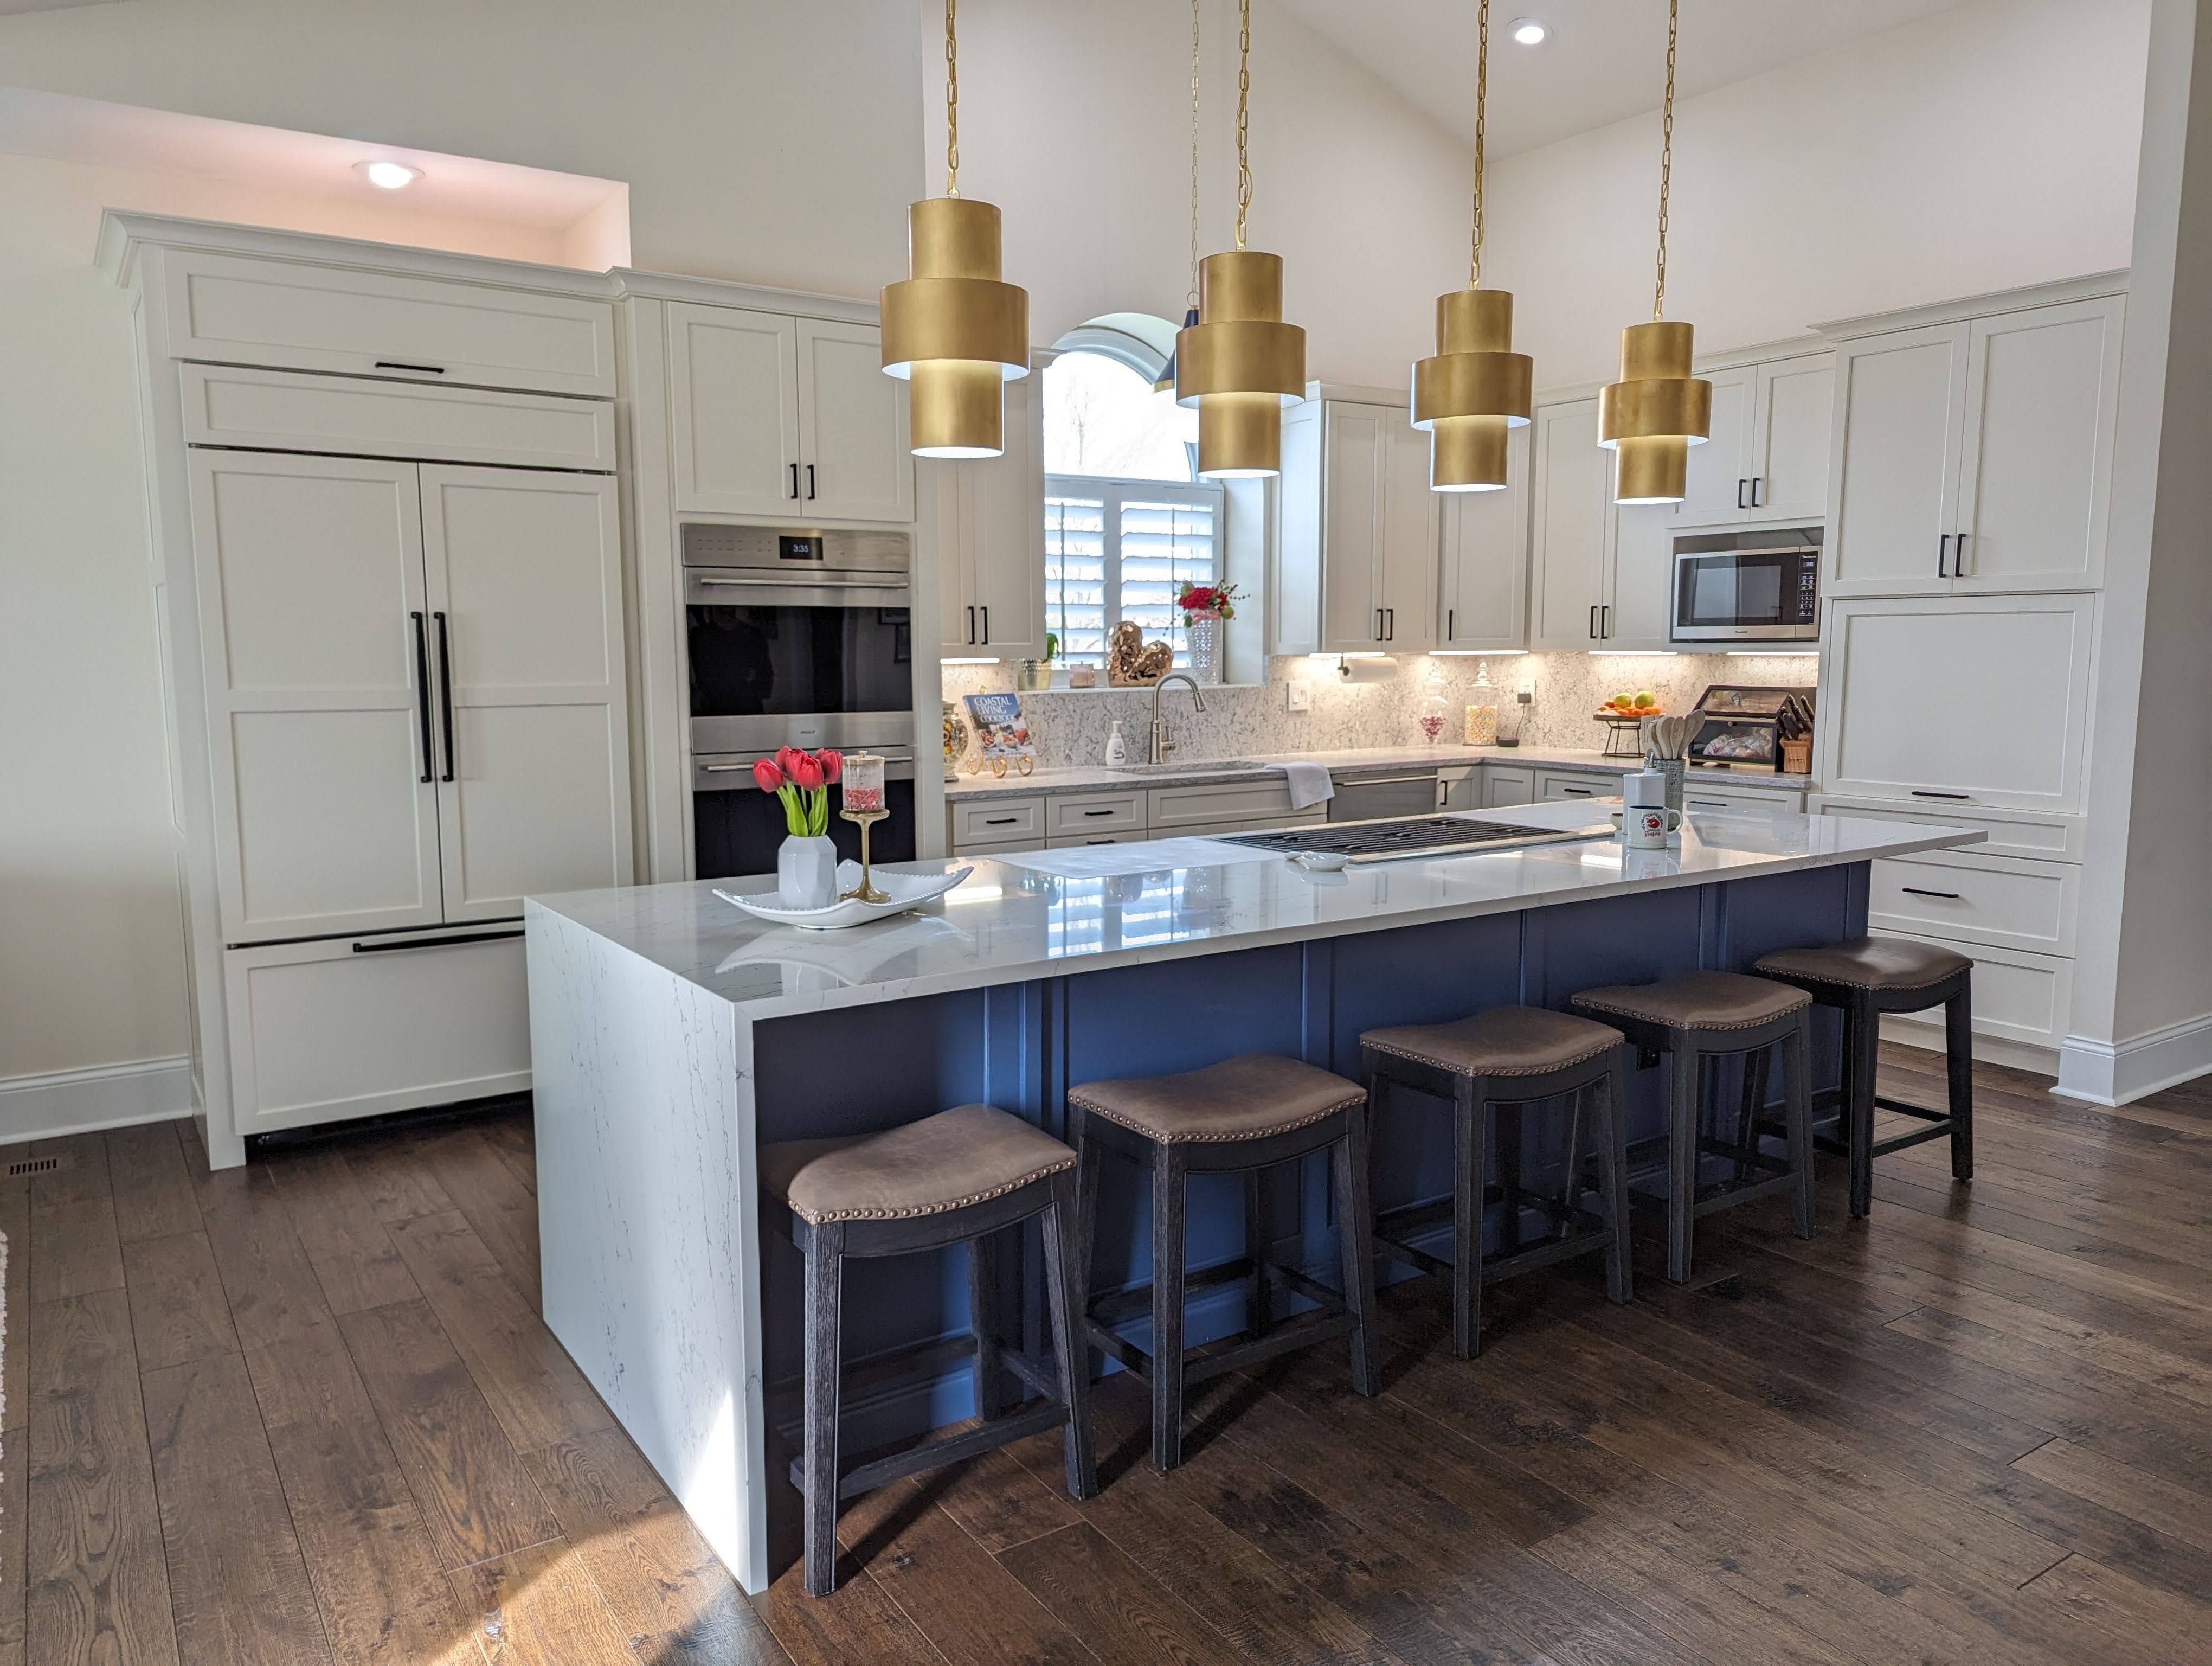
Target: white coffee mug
{"type": "Point", "coordinates": [1645, 826]}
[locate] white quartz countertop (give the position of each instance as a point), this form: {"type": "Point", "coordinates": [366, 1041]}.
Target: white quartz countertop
{"type": "Point", "coordinates": [1085, 778]}
{"type": "Point", "coordinates": [1046, 913]}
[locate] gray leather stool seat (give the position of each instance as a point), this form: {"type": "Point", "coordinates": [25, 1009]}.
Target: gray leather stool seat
{"type": "Point", "coordinates": [1863, 977]}
{"type": "Point", "coordinates": [1494, 1067]}
{"type": "Point", "coordinates": [1245, 1114]}
{"type": "Point", "coordinates": [960, 1177]}
{"type": "Point", "coordinates": [1693, 1017]}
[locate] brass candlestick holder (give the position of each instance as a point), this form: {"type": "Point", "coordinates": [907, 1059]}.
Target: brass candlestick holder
{"type": "Point", "coordinates": [861, 783]}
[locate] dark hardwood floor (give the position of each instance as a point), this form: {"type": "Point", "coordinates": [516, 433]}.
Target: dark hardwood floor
{"type": "Point", "coordinates": [306, 1411]}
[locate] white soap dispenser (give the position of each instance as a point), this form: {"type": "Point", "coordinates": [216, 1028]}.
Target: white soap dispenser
{"type": "Point", "coordinates": [1117, 748]}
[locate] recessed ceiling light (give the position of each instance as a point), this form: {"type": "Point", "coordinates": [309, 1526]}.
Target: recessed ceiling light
{"type": "Point", "coordinates": [1529, 31]}
{"type": "Point", "coordinates": [390, 175]}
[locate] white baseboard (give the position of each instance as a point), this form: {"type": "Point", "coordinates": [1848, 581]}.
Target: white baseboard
{"type": "Point", "coordinates": [1990, 1049]}
{"type": "Point", "coordinates": [2119, 1073]}
{"type": "Point", "coordinates": [108, 1096]}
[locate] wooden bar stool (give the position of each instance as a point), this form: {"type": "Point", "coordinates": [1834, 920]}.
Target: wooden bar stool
{"type": "Point", "coordinates": [1689, 1019]}
{"type": "Point", "coordinates": [1863, 977]}
{"type": "Point", "coordinates": [958, 1177]}
{"type": "Point", "coordinates": [1496, 1064]}
{"type": "Point", "coordinates": [1242, 1116]}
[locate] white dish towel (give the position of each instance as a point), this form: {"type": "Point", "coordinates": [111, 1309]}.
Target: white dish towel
{"type": "Point", "coordinates": [1309, 784]}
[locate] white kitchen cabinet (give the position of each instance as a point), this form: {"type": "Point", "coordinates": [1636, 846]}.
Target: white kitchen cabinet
{"type": "Point", "coordinates": [1696, 795]}
{"type": "Point", "coordinates": [1359, 528]}
{"type": "Point", "coordinates": [322, 1031]}
{"type": "Point", "coordinates": [1959, 702]}
{"type": "Point", "coordinates": [524, 582]}
{"type": "Point", "coordinates": [1600, 574]}
{"type": "Point", "coordinates": [1967, 896]}
{"type": "Point", "coordinates": [2038, 835]}
{"type": "Point", "coordinates": [2018, 996]}
{"type": "Point", "coordinates": [239, 309]}
{"type": "Point", "coordinates": [1766, 456]}
{"type": "Point", "coordinates": [1555, 785]}
{"type": "Point", "coordinates": [314, 625]}
{"type": "Point", "coordinates": [1485, 564]}
{"type": "Point", "coordinates": [1506, 784]}
{"type": "Point", "coordinates": [1716, 489]}
{"type": "Point", "coordinates": [991, 541]}
{"type": "Point", "coordinates": [1976, 456]}
{"type": "Point", "coordinates": [1001, 821]}
{"type": "Point", "coordinates": [416, 689]}
{"type": "Point", "coordinates": [771, 414]}
{"type": "Point", "coordinates": [1568, 581]}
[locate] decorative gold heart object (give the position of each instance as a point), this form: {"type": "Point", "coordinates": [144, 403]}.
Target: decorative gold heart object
{"type": "Point", "coordinates": [1132, 662]}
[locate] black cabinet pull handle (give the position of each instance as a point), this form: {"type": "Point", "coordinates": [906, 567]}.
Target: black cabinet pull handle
{"type": "Point", "coordinates": [1593, 623]}
{"type": "Point", "coordinates": [1740, 503]}
{"type": "Point", "coordinates": [435, 942]}
{"type": "Point", "coordinates": [1915, 891]}
{"type": "Point", "coordinates": [446, 690]}
{"type": "Point", "coordinates": [1451, 623]}
{"type": "Point", "coordinates": [1101, 813]}
{"type": "Point", "coordinates": [1605, 623]}
{"type": "Point", "coordinates": [399, 364]}
{"type": "Point", "coordinates": [1930, 793]}
{"type": "Point", "coordinates": [1755, 503]}
{"type": "Point", "coordinates": [1575, 792]}
{"type": "Point", "coordinates": [971, 627]}
{"type": "Point", "coordinates": [1959, 558]}
{"type": "Point", "coordinates": [794, 480]}
{"type": "Point", "coordinates": [986, 611]}
{"type": "Point", "coordinates": [810, 483]}
{"type": "Point", "coordinates": [1389, 624]}
{"type": "Point", "coordinates": [1942, 556]}
{"type": "Point", "coordinates": [422, 694]}
{"type": "Point", "coordinates": [1000, 821]}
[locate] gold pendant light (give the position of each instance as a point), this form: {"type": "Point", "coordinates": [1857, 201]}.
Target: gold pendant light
{"type": "Point", "coordinates": [1657, 409]}
{"type": "Point", "coordinates": [1165, 380]}
{"type": "Point", "coordinates": [953, 330]}
{"type": "Point", "coordinates": [1240, 364]}
{"type": "Point", "coordinates": [1477, 387]}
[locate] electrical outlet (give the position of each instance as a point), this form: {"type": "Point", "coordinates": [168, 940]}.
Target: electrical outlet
{"type": "Point", "coordinates": [1297, 696]}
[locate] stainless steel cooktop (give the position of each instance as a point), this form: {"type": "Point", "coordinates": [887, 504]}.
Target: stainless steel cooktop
{"type": "Point", "coordinates": [1415, 836]}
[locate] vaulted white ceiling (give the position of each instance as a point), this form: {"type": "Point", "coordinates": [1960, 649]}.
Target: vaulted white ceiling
{"type": "Point", "coordinates": [1604, 61]}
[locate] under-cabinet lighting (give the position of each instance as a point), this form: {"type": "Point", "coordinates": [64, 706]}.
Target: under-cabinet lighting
{"type": "Point", "coordinates": [1477, 652]}
{"type": "Point", "coordinates": [1773, 653]}
{"type": "Point", "coordinates": [1633, 653]}
{"type": "Point", "coordinates": [388, 174]}
{"type": "Point", "coordinates": [1333, 657]}
{"type": "Point", "coordinates": [978, 659]}
{"type": "Point", "coordinates": [1530, 31]}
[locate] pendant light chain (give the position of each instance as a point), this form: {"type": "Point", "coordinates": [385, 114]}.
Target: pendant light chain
{"type": "Point", "coordinates": [1243, 94]}
{"type": "Point", "coordinates": [1193, 298]}
{"type": "Point", "coordinates": [1481, 114]}
{"type": "Point", "coordinates": [951, 102]}
{"type": "Point", "coordinates": [1666, 164]}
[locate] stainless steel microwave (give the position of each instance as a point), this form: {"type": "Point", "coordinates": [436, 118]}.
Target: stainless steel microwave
{"type": "Point", "coordinates": [1761, 587]}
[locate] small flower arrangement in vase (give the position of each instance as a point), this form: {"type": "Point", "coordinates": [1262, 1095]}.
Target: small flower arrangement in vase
{"type": "Point", "coordinates": [1203, 607]}
{"type": "Point", "coordinates": [806, 861]}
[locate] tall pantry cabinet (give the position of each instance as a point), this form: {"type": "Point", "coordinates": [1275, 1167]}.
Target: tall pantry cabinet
{"type": "Point", "coordinates": [1962, 586]}
{"type": "Point", "coordinates": [389, 593]}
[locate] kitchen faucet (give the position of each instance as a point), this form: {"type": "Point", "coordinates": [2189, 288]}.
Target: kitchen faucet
{"type": "Point", "coordinates": [1161, 745]}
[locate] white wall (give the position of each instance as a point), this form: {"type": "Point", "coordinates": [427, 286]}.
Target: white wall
{"type": "Point", "coordinates": [1081, 134]}
{"type": "Point", "coordinates": [1986, 147]}
{"type": "Point", "coordinates": [2142, 1003]}
{"type": "Point", "coordinates": [760, 140]}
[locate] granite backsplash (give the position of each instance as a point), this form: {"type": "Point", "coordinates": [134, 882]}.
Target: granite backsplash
{"type": "Point", "coordinates": [1071, 725]}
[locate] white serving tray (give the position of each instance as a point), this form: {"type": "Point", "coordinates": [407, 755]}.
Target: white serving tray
{"type": "Point", "coordinates": [906, 892]}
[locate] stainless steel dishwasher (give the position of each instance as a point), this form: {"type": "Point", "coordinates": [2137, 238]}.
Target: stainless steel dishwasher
{"type": "Point", "coordinates": [1399, 792]}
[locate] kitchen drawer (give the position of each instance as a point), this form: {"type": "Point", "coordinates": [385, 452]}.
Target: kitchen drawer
{"type": "Point", "coordinates": [999, 821]}
{"type": "Point", "coordinates": [235, 309]}
{"type": "Point", "coordinates": [1553, 784]}
{"type": "Point", "coordinates": [2019, 996]}
{"type": "Point", "coordinates": [1256, 824]}
{"type": "Point", "coordinates": [324, 1031]}
{"type": "Point", "coordinates": [1977, 899]}
{"type": "Point", "coordinates": [1171, 810]}
{"type": "Point", "coordinates": [1505, 784]}
{"type": "Point", "coordinates": [357, 417]}
{"type": "Point", "coordinates": [1135, 835]}
{"type": "Point", "coordinates": [1094, 813]}
{"type": "Point", "coordinates": [2051, 838]}
{"type": "Point", "coordinates": [1697, 796]}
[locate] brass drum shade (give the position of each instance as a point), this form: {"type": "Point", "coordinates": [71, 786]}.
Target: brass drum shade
{"type": "Point", "coordinates": [1240, 364]}
{"type": "Point", "coordinates": [1474, 390]}
{"type": "Point", "coordinates": [954, 331]}
{"type": "Point", "coordinates": [1467, 454]}
{"type": "Point", "coordinates": [1654, 413]}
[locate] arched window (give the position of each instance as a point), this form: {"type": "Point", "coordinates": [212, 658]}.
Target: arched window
{"type": "Point", "coordinates": [1126, 523]}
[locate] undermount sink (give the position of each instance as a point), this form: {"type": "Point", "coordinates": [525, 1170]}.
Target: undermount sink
{"type": "Point", "coordinates": [1187, 766]}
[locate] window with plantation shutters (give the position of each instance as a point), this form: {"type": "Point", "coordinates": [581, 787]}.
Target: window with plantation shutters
{"type": "Point", "coordinates": [1125, 527]}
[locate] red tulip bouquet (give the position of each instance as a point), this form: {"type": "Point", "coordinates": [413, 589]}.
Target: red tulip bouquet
{"type": "Point", "coordinates": [802, 780]}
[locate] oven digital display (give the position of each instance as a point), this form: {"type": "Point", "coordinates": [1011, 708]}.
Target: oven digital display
{"type": "Point", "coordinates": [798, 548]}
